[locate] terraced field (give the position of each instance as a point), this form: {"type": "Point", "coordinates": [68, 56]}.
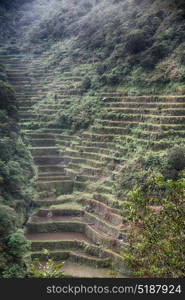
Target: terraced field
{"type": "Point", "coordinates": [79, 218]}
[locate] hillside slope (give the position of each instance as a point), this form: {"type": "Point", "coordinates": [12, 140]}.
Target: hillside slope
{"type": "Point", "coordinates": [100, 86]}
{"type": "Point", "coordinates": [139, 44]}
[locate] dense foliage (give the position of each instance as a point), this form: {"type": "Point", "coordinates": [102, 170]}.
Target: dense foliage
{"type": "Point", "coordinates": [155, 213]}
{"type": "Point", "coordinates": [137, 46]}
{"type": "Point", "coordinates": [16, 187]}
{"type": "Point", "coordinates": [157, 236]}
{"type": "Point", "coordinates": [80, 114]}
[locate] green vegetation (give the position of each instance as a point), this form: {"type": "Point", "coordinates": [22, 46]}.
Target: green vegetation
{"type": "Point", "coordinates": [154, 186]}
{"type": "Point", "coordinates": [91, 74]}
{"type": "Point", "coordinates": [49, 269]}
{"type": "Point", "coordinates": [80, 114]}
{"type": "Point", "coordinates": [132, 47]}
{"type": "Point", "coordinates": [67, 206]}
{"type": "Point", "coordinates": [141, 163]}
{"type": "Point", "coordinates": [156, 235]}
{"type": "Point", "coordinates": [17, 173]}
{"type": "Point", "coordinates": [16, 187]}
{"type": "Point", "coordinates": [13, 244]}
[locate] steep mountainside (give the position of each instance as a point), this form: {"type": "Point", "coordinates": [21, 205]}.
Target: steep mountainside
{"type": "Point", "coordinates": [100, 87]}
{"type": "Point", "coordinates": [139, 44]}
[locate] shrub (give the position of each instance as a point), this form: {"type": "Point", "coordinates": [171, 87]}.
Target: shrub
{"type": "Point", "coordinates": [113, 78]}
{"type": "Point", "coordinates": [153, 55]}
{"type": "Point", "coordinates": [18, 244]}
{"type": "Point", "coordinates": [80, 114]}
{"type": "Point", "coordinates": [136, 41]}
{"type": "Point", "coordinates": [102, 79]}
{"type": "Point", "coordinates": [182, 58]}
{"type": "Point", "coordinates": [8, 220]}
{"type": "Point", "coordinates": [176, 158]}
{"type": "Point", "coordinates": [173, 163]}
{"type": "Point", "coordinates": [86, 83]}
{"type": "Point", "coordinates": [14, 271]}
{"type": "Point", "coordinates": [7, 96]}
{"type": "Point", "coordinates": [101, 68]}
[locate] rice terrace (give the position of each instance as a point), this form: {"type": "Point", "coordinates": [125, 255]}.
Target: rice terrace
{"type": "Point", "coordinates": [92, 128]}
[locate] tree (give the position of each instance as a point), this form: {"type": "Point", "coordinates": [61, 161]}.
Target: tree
{"type": "Point", "coordinates": [136, 41]}
{"type": "Point", "coordinates": [8, 220]}
{"type": "Point", "coordinates": [18, 244]}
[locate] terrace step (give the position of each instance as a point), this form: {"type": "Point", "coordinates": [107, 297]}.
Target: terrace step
{"type": "Point", "coordinates": [34, 115]}
{"type": "Point", "coordinates": [106, 229]}
{"type": "Point", "coordinates": [56, 226]}
{"type": "Point", "coordinates": [147, 111]}
{"type": "Point", "coordinates": [104, 189]}
{"type": "Point", "coordinates": [28, 120]}
{"type": "Point", "coordinates": [54, 218]}
{"type": "Point", "coordinates": [98, 150]}
{"type": "Point", "coordinates": [84, 169]}
{"type": "Point", "coordinates": [109, 130]}
{"type": "Point", "coordinates": [52, 178]}
{"type": "Point", "coordinates": [85, 161]}
{"type": "Point", "coordinates": [74, 174]}
{"type": "Point", "coordinates": [79, 271]}
{"type": "Point", "coordinates": [47, 160]}
{"type": "Point", "coordinates": [48, 130]}
{"type": "Point", "coordinates": [105, 212]}
{"type": "Point", "coordinates": [159, 119]}
{"type": "Point", "coordinates": [58, 186]}
{"type": "Point", "coordinates": [40, 151]}
{"type": "Point", "coordinates": [42, 142]}
{"type": "Point", "coordinates": [159, 105]}
{"type": "Point", "coordinates": [94, 137]}
{"type": "Point", "coordinates": [96, 144]}
{"type": "Point", "coordinates": [49, 174]}
{"type": "Point", "coordinates": [50, 168]}
{"type": "Point", "coordinates": [56, 236]}
{"type": "Point", "coordinates": [141, 99]}
{"type": "Point", "coordinates": [109, 200]}
{"type": "Point", "coordinates": [92, 156]}
{"type": "Point", "coordinates": [95, 231]}
{"type": "Point", "coordinates": [75, 256]}
{"type": "Point", "coordinates": [148, 125]}
{"type": "Point", "coordinates": [48, 202]}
